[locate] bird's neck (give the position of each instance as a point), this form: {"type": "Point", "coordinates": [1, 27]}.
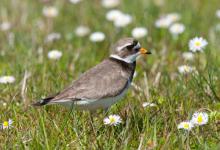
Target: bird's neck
{"type": "Point", "coordinates": [128, 67]}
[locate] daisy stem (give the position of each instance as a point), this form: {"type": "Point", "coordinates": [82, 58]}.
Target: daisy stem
{"type": "Point", "coordinates": [197, 61]}
{"type": "Point", "coordinates": [187, 141]}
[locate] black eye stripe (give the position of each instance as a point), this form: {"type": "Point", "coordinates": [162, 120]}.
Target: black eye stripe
{"type": "Point", "coordinates": [130, 46]}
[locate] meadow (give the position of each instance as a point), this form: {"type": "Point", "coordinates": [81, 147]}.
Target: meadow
{"type": "Point", "coordinates": [170, 85]}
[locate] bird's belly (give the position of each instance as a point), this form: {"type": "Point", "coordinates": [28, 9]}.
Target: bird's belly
{"type": "Point", "coordinates": [89, 104]}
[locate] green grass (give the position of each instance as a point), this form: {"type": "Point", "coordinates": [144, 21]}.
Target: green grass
{"type": "Point", "coordinates": [177, 96]}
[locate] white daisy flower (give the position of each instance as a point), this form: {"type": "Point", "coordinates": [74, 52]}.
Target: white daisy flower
{"type": "Point", "coordinates": [197, 44]}
{"type": "Point", "coordinates": [186, 125]}
{"type": "Point", "coordinates": [7, 79]}
{"type": "Point", "coordinates": [166, 20]}
{"type": "Point", "coordinates": [147, 104]}
{"type": "Point", "coordinates": [112, 120]}
{"type": "Point", "coordinates": [82, 31]}
{"type": "Point", "coordinates": [119, 18]}
{"type": "Point", "coordinates": [110, 3]}
{"type": "Point", "coordinates": [7, 124]}
{"type": "Point", "coordinates": [185, 69]}
{"type": "Point", "coordinates": [97, 37]}
{"type": "Point", "coordinates": [188, 56]}
{"type": "Point", "coordinates": [163, 22]}
{"type": "Point", "coordinates": [50, 11]}
{"type": "Point", "coordinates": [218, 13]}
{"type": "Point", "coordinates": [75, 1]}
{"type": "Point", "coordinates": [113, 15]}
{"type": "Point", "coordinates": [123, 20]}
{"type": "Point", "coordinates": [173, 17]}
{"type": "Point", "coordinates": [177, 29]}
{"type": "Point", "coordinates": [52, 37]}
{"type": "Point", "coordinates": [139, 32]}
{"type": "Point", "coordinates": [4, 104]}
{"type": "Point", "coordinates": [5, 26]}
{"type": "Point", "coordinates": [200, 118]}
{"type": "Point", "coordinates": [54, 54]}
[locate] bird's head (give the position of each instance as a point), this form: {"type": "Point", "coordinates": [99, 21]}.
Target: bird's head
{"type": "Point", "coordinates": [127, 50]}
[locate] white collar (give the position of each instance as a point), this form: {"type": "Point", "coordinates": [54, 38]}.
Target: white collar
{"type": "Point", "coordinates": [119, 58]}
{"type": "Point", "coordinates": [129, 59]}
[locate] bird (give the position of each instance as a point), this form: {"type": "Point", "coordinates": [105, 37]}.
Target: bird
{"type": "Point", "coordinates": [104, 84]}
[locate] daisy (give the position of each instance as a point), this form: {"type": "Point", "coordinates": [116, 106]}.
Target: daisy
{"type": "Point", "coordinates": [7, 79]}
{"type": "Point", "coordinates": [147, 104]}
{"type": "Point", "coordinates": [200, 118]}
{"type": "Point", "coordinates": [186, 125]}
{"type": "Point", "coordinates": [75, 1]}
{"type": "Point", "coordinates": [82, 31]}
{"type": "Point", "coordinates": [176, 29]}
{"type": "Point", "coordinates": [54, 54]}
{"type": "Point", "coordinates": [97, 37]}
{"type": "Point", "coordinates": [173, 17]}
{"type": "Point", "coordinates": [188, 56]}
{"type": "Point", "coordinates": [166, 20]}
{"type": "Point", "coordinates": [7, 124]}
{"type": "Point", "coordinates": [5, 26]}
{"type": "Point", "coordinates": [123, 20]}
{"type": "Point", "coordinates": [185, 69]}
{"type": "Point", "coordinates": [50, 12]}
{"type": "Point", "coordinates": [119, 18]}
{"type": "Point", "coordinates": [112, 120]}
{"type": "Point", "coordinates": [197, 44]}
{"type": "Point", "coordinates": [139, 32]}
{"type": "Point", "coordinates": [218, 13]}
{"type": "Point", "coordinates": [110, 3]}
{"type": "Point", "coordinates": [52, 37]}
{"type": "Point", "coordinates": [163, 22]}
{"type": "Point", "coordinates": [113, 15]}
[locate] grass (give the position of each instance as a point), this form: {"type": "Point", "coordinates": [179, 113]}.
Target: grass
{"type": "Point", "coordinates": [177, 96]}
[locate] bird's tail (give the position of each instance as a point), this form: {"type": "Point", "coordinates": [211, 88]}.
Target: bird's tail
{"type": "Point", "coordinates": [43, 101]}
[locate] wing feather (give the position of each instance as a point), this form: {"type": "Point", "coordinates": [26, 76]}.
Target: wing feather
{"type": "Point", "coordinates": [107, 79]}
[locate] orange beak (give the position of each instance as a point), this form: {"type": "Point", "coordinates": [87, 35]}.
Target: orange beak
{"type": "Point", "coordinates": [144, 51]}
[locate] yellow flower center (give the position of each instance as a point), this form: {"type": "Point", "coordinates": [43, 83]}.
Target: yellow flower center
{"type": "Point", "coordinates": [112, 120]}
{"type": "Point", "coordinates": [186, 68]}
{"type": "Point", "coordinates": [186, 125]}
{"type": "Point", "coordinates": [5, 124]}
{"type": "Point", "coordinates": [198, 43]}
{"type": "Point", "coordinates": [200, 119]}
{"type": "Point", "coordinates": [50, 12]}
